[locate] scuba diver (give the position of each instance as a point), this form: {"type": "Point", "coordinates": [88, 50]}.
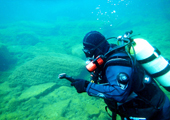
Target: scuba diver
{"type": "Point", "coordinates": [126, 87]}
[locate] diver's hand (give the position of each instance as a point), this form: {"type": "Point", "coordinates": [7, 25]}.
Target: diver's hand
{"type": "Point", "coordinates": [80, 85]}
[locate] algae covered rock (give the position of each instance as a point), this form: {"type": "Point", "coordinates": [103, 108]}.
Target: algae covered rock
{"type": "Point", "coordinates": [92, 110]}
{"type": "Point", "coordinates": [4, 89]}
{"type": "Point", "coordinates": [56, 110]}
{"type": "Point", "coordinates": [27, 39]}
{"type": "Point", "coordinates": [37, 91]}
{"type": "Point", "coordinates": [5, 58]}
{"type": "Point", "coordinates": [76, 50]}
{"type": "Point", "coordinates": [43, 69]}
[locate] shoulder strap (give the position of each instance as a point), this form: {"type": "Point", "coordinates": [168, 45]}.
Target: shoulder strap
{"type": "Point", "coordinates": [118, 59]}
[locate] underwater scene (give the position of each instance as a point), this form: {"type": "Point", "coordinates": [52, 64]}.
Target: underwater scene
{"type": "Point", "coordinates": [39, 39]}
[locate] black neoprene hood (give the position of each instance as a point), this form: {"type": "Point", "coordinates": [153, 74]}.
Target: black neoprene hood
{"type": "Point", "coordinates": [95, 39]}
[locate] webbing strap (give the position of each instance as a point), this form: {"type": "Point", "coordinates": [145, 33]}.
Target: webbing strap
{"type": "Point", "coordinates": [118, 61]}
{"type": "Point", "coordinates": [155, 54]}
{"type": "Point", "coordinates": [162, 72]}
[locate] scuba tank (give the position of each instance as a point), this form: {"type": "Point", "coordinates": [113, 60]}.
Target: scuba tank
{"type": "Point", "coordinates": [149, 57]}
{"type": "Point", "coordinates": [152, 61]}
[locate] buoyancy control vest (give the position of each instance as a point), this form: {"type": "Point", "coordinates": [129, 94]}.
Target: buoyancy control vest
{"type": "Point", "coordinates": [149, 97]}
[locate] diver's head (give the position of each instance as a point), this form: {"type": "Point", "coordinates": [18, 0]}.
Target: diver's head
{"type": "Point", "coordinates": [95, 44]}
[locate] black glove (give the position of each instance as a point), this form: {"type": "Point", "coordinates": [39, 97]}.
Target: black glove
{"type": "Point", "coordinates": [80, 85]}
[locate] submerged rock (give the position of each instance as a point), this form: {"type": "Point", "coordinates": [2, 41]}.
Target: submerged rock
{"type": "Point", "coordinates": [5, 58]}
{"type": "Point", "coordinates": [27, 39]}
{"type": "Point", "coordinates": [77, 50]}
{"type": "Point", "coordinates": [37, 91]}
{"type": "Point", "coordinates": [4, 89]}
{"type": "Point", "coordinates": [55, 111]}
{"type": "Point", "coordinates": [43, 69]}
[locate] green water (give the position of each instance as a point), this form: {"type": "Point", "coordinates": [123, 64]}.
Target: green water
{"type": "Point", "coordinates": [41, 38]}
